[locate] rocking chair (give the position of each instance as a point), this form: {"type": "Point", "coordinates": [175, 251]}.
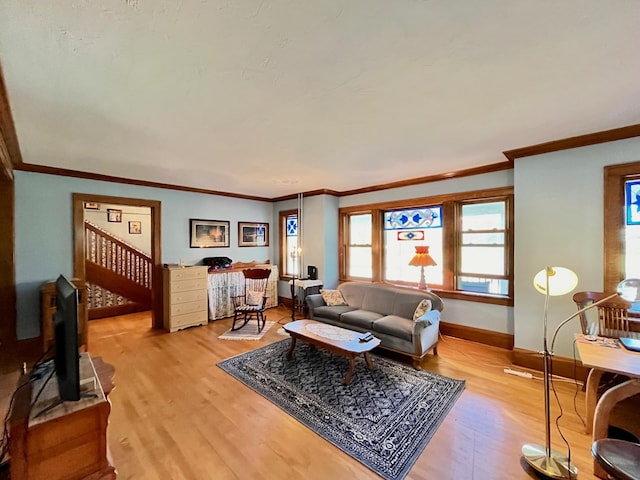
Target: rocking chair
{"type": "Point", "coordinates": [252, 302]}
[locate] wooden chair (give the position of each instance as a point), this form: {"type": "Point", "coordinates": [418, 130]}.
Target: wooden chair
{"type": "Point", "coordinates": [618, 458]}
{"type": "Point", "coordinates": [612, 321]}
{"type": "Point", "coordinates": [252, 302]}
{"type": "Point", "coordinates": [612, 316]}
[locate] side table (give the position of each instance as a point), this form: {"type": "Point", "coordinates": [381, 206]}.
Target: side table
{"type": "Point", "coordinates": [300, 287]}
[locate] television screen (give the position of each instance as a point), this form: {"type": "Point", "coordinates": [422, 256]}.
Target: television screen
{"type": "Point", "coordinates": [66, 356]}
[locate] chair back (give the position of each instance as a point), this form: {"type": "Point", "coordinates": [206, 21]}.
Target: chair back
{"type": "Point", "coordinates": [256, 281]}
{"type": "Point", "coordinates": [612, 315]}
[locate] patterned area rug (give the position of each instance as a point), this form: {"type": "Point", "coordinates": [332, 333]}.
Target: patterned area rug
{"type": "Point", "coordinates": [384, 419]}
{"type": "Point", "coordinates": [248, 332]}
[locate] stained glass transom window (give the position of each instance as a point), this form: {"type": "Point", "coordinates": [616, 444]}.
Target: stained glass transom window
{"type": "Point", "coordinates": [430, 217]}
{"type": "Point", "coordinates": [292, 226]}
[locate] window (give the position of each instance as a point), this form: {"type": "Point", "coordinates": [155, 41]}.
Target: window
{"type": "Point", "coordinates": [632, 229]}
{"type": "Point", "coordinates": [403, 231]}
{"type": "Point", "coordinates": [621, 223]}
{"type": "Point", "coordinates": [359, 241]}
{"type": "Point", "coordinates": [289, 250]}
{"type": "Point", "coordinates": [469, 236]}
{"type": "Point", "coordinates": [482, 254]}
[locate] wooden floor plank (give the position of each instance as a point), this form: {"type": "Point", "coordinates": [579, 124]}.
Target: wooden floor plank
{"type": "Point", "coordinates": [176, 415]}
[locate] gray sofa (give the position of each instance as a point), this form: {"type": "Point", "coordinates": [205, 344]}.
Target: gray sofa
{"type": "Point", "coordinates": [387, 312]}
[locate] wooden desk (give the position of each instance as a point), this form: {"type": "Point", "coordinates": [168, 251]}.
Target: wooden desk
{"type": "Point", "coordinates": [602, 358]}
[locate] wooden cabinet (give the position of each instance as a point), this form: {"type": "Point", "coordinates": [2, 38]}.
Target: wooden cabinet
{"type": "Point", "coordinates": [185, 297]}
{"type": "Point", "coordinates": [48, 307]}
{"type": "Point", "coordinates": [62, 441]}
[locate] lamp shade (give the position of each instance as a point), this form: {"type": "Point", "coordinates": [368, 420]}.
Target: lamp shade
{"type": "Point", "coordinates": [422, 257]}
{"type": "Point", "coordinates": [560, 280]}
{"type": "Point", "coordinates": [629, 289]}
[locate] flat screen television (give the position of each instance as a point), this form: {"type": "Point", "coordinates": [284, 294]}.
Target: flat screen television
{"type": "Point", "coordinates": [66, 356]}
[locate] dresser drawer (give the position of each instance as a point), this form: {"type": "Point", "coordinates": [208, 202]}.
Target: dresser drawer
{"type": "Point", "coordinates": [188, 273]}
{"type": "Point", "coordinates": [188, 296]}
{"type": "Point", "coordinates": [189, 307]}
{"type": "Point", "coordinates": [188, 285]}
{"type": "Point", "coordinates": [187, 320]}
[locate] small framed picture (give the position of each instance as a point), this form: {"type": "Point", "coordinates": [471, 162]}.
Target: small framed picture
{"type": "Point", "coordinates": [135, 227]}
{"type": "Point", "coordinates": [114, 215]}
{"type": "Point", "coordinates": [253, 234]}
{"type": "Point", "coordinates": [208, 233]}
{"type": "Point", "coordinates": [91, 206]}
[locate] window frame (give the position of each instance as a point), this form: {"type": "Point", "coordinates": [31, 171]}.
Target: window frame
{"type": "Point", "coordinates": [282, 234]}
{"type": "Point", "coordinates": [615, 177]}
{"type": "Point", "coordinates": [452, 223]}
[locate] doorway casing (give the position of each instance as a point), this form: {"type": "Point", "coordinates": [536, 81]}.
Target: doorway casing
{"type": "Point", "coordinates": [156, 253]}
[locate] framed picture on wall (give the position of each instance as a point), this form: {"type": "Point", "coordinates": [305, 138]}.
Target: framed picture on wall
{"type": "Point", "coordinates": [253, 234]}
{"type": "Point", "coordinates": [114, 215]}
{"type": "Point", "coordinates": [135, 227]}
{"type": "Point", "coordinates": [208, 233]}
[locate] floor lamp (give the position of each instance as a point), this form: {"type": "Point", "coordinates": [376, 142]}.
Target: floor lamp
{"type": "Point", "coordinates": [554, 281]}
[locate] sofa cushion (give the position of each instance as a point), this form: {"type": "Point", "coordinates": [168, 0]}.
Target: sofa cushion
{"type": "Point", "coordinates": [353, 292]}
{"type": "Point", "coordinates": [332, 313]}
{"type": "Point", "coordinates": [380, 298]}
{"type": "Point", "coordinates": [423, 307]}
{"type": "Point", "coordinates": [360, 318]}
{"type": "Point", "coordinates": [394, 326]}
{"type": "Point", "coordinates": [332, 297]}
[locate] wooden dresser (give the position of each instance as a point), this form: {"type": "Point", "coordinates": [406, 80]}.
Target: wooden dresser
{"type": "Point", "coordinates": [49, 440]}
{"type": "Point", "coordinates": [185, 297]}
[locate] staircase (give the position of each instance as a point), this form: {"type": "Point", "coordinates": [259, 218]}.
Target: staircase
{"type": "Point", "coordinates": [118, 274]}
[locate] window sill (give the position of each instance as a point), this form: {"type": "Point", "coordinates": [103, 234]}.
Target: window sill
{"type": "Point", "coordinates": [474, 297]}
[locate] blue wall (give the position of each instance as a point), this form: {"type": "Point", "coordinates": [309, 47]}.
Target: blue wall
{"type": "Point", "coordinates": [44, 231]}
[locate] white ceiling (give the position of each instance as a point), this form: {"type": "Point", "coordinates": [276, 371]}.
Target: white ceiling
{"type": "Point", "coordinates": [271, 98]}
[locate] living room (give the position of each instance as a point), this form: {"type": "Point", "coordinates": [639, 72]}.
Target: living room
{"type": "Point", "coordinates": [558, 196]}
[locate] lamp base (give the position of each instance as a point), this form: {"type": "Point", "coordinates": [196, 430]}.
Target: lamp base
{"type": "Point", "coordinates": [554, 466]}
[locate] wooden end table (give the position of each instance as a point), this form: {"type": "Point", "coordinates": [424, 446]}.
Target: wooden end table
{"type": "Point", "coordinates": [335, 339]}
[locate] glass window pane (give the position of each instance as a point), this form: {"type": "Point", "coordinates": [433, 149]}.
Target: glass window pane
{"type": "Point", "coordinates": [360, 229]}
{"type": "Point", "coordinates": [484, 216]}
{"type": "Point", "coordinates": [632, 252]}
{"type": "Point", "coordinates": [360, 262]}
{"type": "Point", "coordinates": [487, 260]}
{"type": "Point", "coordinates": [425, 217]}
{"type": "Point", "coordinates": [483, 285]}
{"type": "Point", "coordinates": [400, 247]}
{"type": "Point", "coordinates": [483, 238]}
{"type": "Point", "coordinates": [292, 256]}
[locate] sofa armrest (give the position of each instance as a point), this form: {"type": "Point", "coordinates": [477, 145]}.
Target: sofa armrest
{"type": "Point", "coordinates": [314, 300]}
{"type": "Point", "coordinates": [430, 318]}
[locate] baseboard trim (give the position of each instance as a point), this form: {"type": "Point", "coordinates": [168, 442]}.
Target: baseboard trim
{"type": "Point", "coordinates": [116, 310]}
{"type": "Point", "coordinates": [562, 366]}
{"type": "Point", "coordinates": [478, 335]}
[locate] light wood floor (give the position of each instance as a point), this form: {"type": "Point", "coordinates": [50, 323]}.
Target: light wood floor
{"type": "Point", "coordinates": [176, 415]}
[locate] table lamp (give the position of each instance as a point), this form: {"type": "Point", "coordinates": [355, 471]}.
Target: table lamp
{"type": "Point", "coordinates": [554, 281]}
{"type": "Point", "coordinates": [422, 259]}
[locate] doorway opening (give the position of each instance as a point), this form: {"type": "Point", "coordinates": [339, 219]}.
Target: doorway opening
{"type": "Point", "coordinates": [80, 200]}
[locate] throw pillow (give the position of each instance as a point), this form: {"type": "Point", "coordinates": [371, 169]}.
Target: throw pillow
{"type": "Point", "coordinates": [423, 307]}
{"type": "Point", "coordinates": [254, 297]}
{"type": "Point", "coordinates": [332, 297]}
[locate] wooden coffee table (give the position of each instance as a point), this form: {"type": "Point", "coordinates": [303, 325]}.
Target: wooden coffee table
{"type": "Point", "coordinates": [335, 339]}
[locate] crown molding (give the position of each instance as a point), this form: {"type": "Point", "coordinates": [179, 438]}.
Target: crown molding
{"type": "Point", "coordinates": [27, 167]}
{"type": "Point", "coordinates": [574, 142]}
